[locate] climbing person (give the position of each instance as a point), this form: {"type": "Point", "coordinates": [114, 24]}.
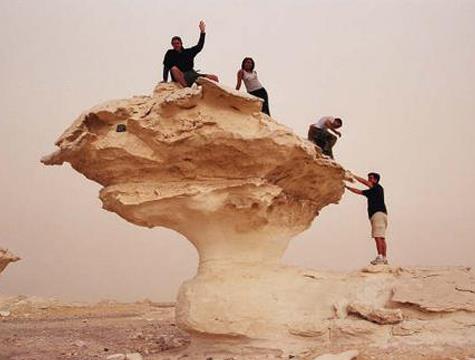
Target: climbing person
{"type": "Point", "coordinates": [319, 133]}
{"type": "Point", "coordinates": [179, 61]}
{"type": "Point", "coordinates": [376, 211]}
{"type": "Point", "coordinates": [252, 83]}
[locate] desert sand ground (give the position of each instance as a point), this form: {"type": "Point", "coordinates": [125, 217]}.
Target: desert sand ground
{"type": "Point", "coordinates": [36, 329]}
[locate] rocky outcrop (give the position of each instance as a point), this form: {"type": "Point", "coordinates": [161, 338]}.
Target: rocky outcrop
{"type": "Point", "coordinates": [6, 257]}
{"type": "Point", "coordinates": [205, 162]}
{"type": "Point", "coordinates": [379, 316]}
{"type": "Point", "coordinates": [437, 290]}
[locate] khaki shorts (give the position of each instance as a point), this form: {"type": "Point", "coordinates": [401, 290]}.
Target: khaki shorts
{"type": "Point", "coordinates": [379, 223]}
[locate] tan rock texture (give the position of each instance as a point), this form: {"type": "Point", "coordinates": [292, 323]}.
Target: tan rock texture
{"type": "Point", "coordinates": [347, 355]}
{"type": "Point", "coordinates": [205, 162]}
{"type": "Point", "coordinates": [380, 316]}
{"type": "Point", "coordinates": [6, 257]}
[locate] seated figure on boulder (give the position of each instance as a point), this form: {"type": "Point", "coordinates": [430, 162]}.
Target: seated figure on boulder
{"type": "Point", "coordinates": [253, 85]}
{"type": "Point", "coordinates": [179, 61]}
{"type": "Point", "coordinates": [319, 133]}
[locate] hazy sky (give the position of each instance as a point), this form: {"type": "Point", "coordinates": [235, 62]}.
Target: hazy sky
{"type": "Point", "coordinates": [400, 73]}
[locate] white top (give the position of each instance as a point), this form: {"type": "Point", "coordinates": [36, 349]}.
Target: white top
{"type": "Point", "coordinates": [251, 81]}
{"type": "Point", "coordinates": [321, 123]}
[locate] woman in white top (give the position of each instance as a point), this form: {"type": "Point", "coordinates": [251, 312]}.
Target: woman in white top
{"type": "Point", "coordinates": [253, 85]}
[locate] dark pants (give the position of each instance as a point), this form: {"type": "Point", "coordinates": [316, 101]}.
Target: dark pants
{"type": "Point", "coordinates": [262, 93]}
{"type": "Point", "coordinates": [323, 139]}
{"type": "Point", "coordinates": [191, 76]}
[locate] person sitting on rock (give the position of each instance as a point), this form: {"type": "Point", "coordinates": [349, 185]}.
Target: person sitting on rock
{"type": "Point", "coordinates": [319, 133]}
{"type": "Point", "coordinates": [252, 83]}
{"type": "Point", "coordinates": [377, 212]}
{"type": "Point", "coordinates": [179, 61]}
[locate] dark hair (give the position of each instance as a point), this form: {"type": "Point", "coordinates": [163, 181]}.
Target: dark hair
{"type": "Point", "coordinates": [248, 58]}
{"type": "Point", "coordinates": [375, 175]}
{"type": "Point", "coordinates": [177, 38]}
{"type": "Point", "coordinates": [339, 121]}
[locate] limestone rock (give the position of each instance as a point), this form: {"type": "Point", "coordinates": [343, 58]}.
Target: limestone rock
{"type": "Point", "coordinates": [347, 355]}
{"type": "Point", "coordinates": [6, 257]}
{"type": "Point", "coordinates": [440, 290]}
{"type": "Point", "coordinates": [116, 357]}
{"type": "Point", "coordinates": [379, 316]}
{"type": "Point", "coordinates": [133, 356]}
{"type": "Point", "coordinates": [205, 162]}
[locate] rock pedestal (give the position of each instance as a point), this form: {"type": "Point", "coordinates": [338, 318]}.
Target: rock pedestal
{"type": "Point", "coordinates": [207, 163]}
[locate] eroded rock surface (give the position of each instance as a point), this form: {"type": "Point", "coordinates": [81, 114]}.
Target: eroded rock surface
{"type": "Point", "coordinates": [205, 162]}
{"type": "Point", "coordinates": [379, 316]}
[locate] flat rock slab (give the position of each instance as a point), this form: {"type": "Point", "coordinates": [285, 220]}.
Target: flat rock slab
{"type": "Point", "coordinates": [437, 290]}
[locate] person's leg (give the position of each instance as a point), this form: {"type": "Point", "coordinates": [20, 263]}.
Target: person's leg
{"type": "Point", "coordinates": [378, 229]}
{"type": "Point", "coordinates": [178, 76]}
{"type": "Point", "coordinates": [329, 141]}
{"type": "Point", "coordinates": [380, 246]}
{"type": "Point", "coordinates": [265, 106]}
{"type": "Point", "coordinates": [262, 93]}
{"type": "Point", "coordinates": [320, 140]}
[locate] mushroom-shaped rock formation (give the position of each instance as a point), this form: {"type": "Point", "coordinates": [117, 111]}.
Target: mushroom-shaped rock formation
{"type": "Point", "coordinates": [207, 163]}
{"type": "Point", "coordinates": [6, 257]}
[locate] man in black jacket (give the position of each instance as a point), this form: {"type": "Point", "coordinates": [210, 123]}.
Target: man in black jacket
{"type": "Point", "coordinates": [179, 61]}
{"type": "Point", "coordinates": [377, 213]}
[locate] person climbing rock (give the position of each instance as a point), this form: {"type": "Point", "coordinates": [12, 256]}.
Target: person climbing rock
{"type": "Point", "coordinates": [252, 83]}
{"type": "Point", "coordinates": [377, 212]}
{"type": "Point", "coordinates": [180, 61]}
{"type": "Point", "coordinates": [320, 133]}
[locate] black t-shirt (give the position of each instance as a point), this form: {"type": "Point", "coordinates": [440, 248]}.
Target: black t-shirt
{"type": "Point", "coordinates": [375, 197]}
{"type": "Point", "coordinates": [182, 60]}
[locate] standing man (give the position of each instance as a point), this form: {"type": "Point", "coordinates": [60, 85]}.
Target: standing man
{"type": "Point", "coordinates": [179, 61]}
{"type": "Point", "coordinates": [319, 133]}
{"type": "Point", "coordinates": [376, 211]}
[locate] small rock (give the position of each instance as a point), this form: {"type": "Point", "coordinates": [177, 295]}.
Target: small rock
{"type": "Point", "coordinates": [380, 316]}
{"type": "Point", "coordinates": [116, 357]}
{"type": "Point", "coordinates": [79, 343]}
{"type": "Point", "coordinates": [4, 313]}
{"type": "Point", "coordinates": [347, 355]}
{"type": "Point", "coordinates": [137, 335]}
{"type": "Point", "coordinates": [134, 356]}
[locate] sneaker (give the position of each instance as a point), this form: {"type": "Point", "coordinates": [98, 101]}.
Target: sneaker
{"type": "Point", "coordinates": [378, 260]}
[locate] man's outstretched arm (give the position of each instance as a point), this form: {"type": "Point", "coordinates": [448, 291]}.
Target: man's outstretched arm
{"type": "Point", "coordinates": [354, 190]}
{"type": "Point", "coordinates": [362, 180]}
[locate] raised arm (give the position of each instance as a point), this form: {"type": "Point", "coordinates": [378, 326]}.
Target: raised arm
{"type": "Point", "coordinates": [239, 79]}
{"type": "Point", "coordinates": [354, 190]}
{"type": "Point", "coordinates": [201, 42]}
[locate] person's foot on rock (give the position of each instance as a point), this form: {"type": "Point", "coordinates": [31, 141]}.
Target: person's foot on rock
{"type": "Point", "coordinates": [378, 260]}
